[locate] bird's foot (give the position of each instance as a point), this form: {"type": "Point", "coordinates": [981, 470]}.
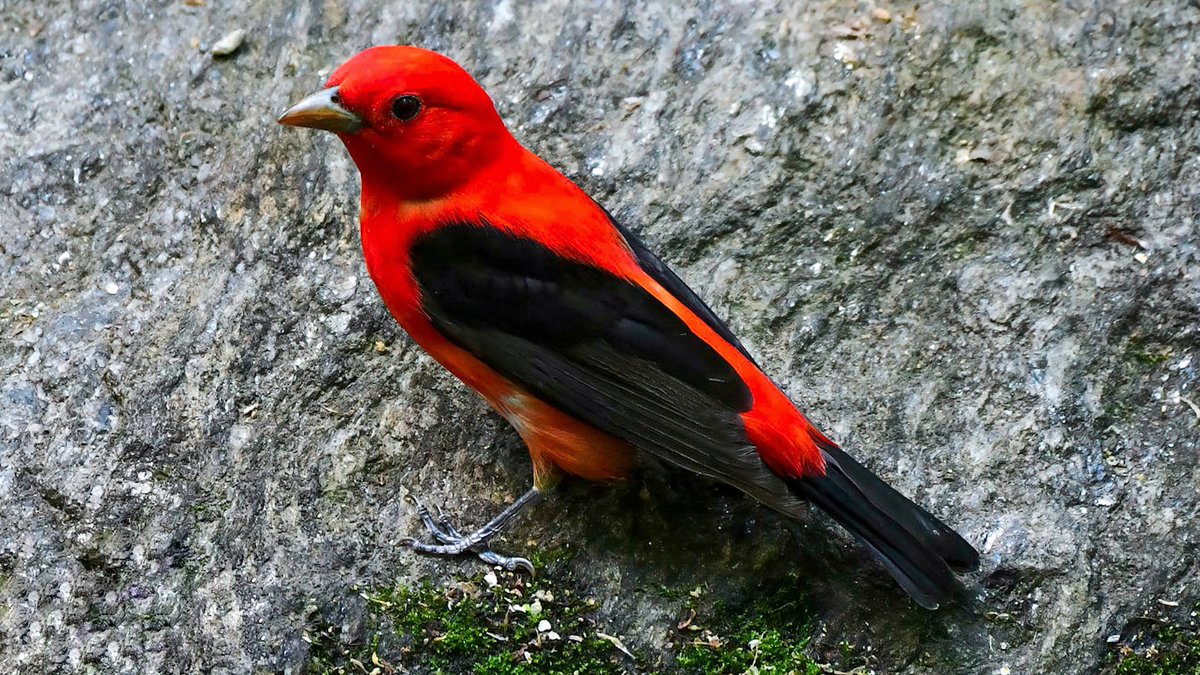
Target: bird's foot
{"type": "Point", "coordinates": [452, 542]}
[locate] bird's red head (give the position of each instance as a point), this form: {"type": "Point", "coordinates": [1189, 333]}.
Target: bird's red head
{"type": "Point", "coordinates": [411, 118]}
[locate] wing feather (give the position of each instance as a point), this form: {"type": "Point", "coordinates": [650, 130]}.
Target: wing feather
{"type": "Point", "coordinates": [593, 345]}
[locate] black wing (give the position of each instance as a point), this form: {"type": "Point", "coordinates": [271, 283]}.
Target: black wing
{"type": "Point", "coordinates": [593, 345]}
{"type": "Point", "coordinates": [667, 278]}
{"type": "Point", "coordinates": [610, 354]}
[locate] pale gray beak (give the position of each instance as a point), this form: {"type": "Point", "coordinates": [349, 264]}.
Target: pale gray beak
{"type": "Point", "coordinates": [322, 110]}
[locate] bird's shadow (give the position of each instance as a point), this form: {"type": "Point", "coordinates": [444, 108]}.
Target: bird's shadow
{"type": "Point", "coordinates": [665, 532]}
{"type": "Point", "coordinates": [672, 530]}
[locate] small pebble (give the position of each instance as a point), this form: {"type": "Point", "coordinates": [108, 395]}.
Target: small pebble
{"type": "Point", "coordinates": [229, 44]}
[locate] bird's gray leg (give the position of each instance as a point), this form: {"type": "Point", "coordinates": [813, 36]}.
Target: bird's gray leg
{"type": "Point", "coordinates": [452, 542]}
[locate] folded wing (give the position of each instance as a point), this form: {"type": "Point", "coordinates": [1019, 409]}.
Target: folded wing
{"type": "Point", "coordinates": [594, 345]}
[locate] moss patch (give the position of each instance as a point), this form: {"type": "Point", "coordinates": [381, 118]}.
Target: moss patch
{"type": "Point", "coordinates": [769, 634]}
{"type": "Point", "coordinates": [494, 623]}
{"type": "Point", "coordinates": [1165, 649]}
{"type": "Point", "coordinates": [1146, 354]}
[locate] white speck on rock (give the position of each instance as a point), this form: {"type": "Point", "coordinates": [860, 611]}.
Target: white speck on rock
{"type": "Point", "coordinates": [769, 117]}
{"type": "Point", "coordinates": [342, 288]}
{"type": "Point", "coordinates": [502, 15]}
{"type": "Point", "coordinates": [229, 44]}
{"type": "Point", "coordinates": [239, 436]}
{"type": "Point", "coordinates": [846, 54]}
{"type": "Point", "coordinates": [338, 323]}
{"type": "Point", "coordinates": [801, 83]}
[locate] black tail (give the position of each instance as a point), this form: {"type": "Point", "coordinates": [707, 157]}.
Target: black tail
{"type": "Point", "coordinates": [920, 551]}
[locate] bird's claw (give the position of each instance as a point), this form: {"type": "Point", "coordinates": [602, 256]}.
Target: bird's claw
{"type": "Point", "coordinates": [452, 542]}
{"type": "Point", "coordinates": [508, 563]}
{"type": "Point", "coordinates": [440, 526]}
{"type": "Point", "coordinates": [447, 526]}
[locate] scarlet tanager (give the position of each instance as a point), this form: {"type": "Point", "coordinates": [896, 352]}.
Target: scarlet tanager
{"type": "Point", "coordinates": [591, 347]}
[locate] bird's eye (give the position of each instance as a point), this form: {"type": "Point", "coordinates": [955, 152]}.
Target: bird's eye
{"type": "Point", "coordinates": [406, 108]}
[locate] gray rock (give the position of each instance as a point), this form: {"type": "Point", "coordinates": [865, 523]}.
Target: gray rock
{"type": "Point", "coordinates": [964, 239]}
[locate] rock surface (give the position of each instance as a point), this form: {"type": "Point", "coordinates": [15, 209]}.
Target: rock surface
{"type": "Point", "coordinates": [964, 238]}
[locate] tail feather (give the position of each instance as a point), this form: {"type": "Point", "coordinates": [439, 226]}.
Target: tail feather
{"type": "Point", "coordinates": [920, 551]}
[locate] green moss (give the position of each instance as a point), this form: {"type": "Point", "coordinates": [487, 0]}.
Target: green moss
{"type": "Point", "coordinates": [668, 593]}
{"type": "Point", "coordinates": [1146, 355]}
{"type": "Point", "coordinates": [767, 635]}
{"type": "Point", "coordinates": [471, 626]}
{"type": "Point", "coordinates": [1139, 359]}
{"type": "Point", "coordinates": [1173, 653]}
{"type": "Point", "coordinates": [1172, 649]}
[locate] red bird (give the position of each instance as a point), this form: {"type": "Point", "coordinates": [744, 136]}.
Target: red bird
{"type": "Point", "coordinates": [528, 291]}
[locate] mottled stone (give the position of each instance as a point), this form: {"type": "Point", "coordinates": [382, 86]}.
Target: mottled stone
{"type": "Point", "coordinates": [964, 237]}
